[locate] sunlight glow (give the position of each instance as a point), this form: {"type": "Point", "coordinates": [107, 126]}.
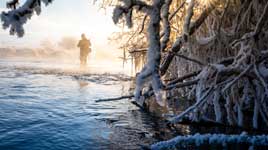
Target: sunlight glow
{"type": "Point", "coordinates": [68, 19]}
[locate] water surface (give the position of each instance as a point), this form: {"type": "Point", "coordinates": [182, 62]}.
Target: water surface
{"type": "Point", "coordinates": [50, 106]}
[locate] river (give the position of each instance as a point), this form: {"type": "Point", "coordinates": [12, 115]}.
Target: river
{"type": "Point", "coordinates": [47, 105]}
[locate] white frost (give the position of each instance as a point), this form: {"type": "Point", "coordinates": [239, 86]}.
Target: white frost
{"type": "Point", "coordinates": [215, 139]}
{"type": "Point", "coordinates": [15, 19]}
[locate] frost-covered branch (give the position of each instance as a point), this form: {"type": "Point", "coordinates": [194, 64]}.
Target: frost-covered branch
{"type": "Point", "coordinates": [191, 59]}
{"type": "Point", "coordinates": [193, 107]}
{"type": "Point", "coordinates": [223, 14]}
{"type": "Point", "coordinates": [12, 4]}
{"type": "Point", "coordinates": [262, 20]}
{"type": "Point", "coordinates": [166, 24]}
{"type": "Point", "coordinates": [181, 85]}
{"type": "Point", "coordinates": [15, 19]}
{"type": "Point", "coordinates": [237, 78]}
{"type": "Point", "coordinates": [188, 18]}
{"type": "Point", "coordinates": [173, 15]}
{"type": "Point", "coordinates": [143, 24]}
{"type": "Point", "coordinates": [211, 139]}
{"type": "Point", "coordinates": [187, 76]}
{"type": "Point", "coordinates": [126, 10]}
{"type": "Point", "coordinates": [181, 40]}
{"type": "Point", "coordinates": [177, 10]}
{"type": "Point", "coordinates": [151, 69]}
{"type": "Point", "coordinates": [114, 99]}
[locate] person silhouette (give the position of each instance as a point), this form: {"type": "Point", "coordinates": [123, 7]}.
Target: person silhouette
{"type": "Point", "coordinates": [85, 48]}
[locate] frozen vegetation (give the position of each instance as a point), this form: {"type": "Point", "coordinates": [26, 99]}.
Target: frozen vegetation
{"type": "Point", "coordinates": [211, 139]}
{"type": "Point", "coordinates": [16, 18]}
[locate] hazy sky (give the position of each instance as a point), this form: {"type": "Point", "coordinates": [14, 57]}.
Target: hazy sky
{"type": "Point", "coordinates": [63, 18]}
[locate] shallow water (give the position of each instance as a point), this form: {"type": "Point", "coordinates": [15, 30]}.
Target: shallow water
{"type": "Point", "coordinates": [43, 106]}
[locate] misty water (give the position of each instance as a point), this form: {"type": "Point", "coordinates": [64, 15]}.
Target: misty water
{"type": "Point", "coordinates": [49, 105]}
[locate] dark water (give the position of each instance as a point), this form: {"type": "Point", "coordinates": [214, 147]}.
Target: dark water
{"type": "Point", "coordinates": [45, 107]}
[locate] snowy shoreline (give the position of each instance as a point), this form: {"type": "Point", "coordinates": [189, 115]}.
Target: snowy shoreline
{"type": "Point", "coordinates": [215, 139]}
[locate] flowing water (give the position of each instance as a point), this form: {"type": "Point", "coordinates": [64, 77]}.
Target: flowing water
{"type": "Point", "coordinates": [43, 106]}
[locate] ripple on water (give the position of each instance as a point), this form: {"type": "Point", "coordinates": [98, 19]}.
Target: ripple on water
{"type": "Point", "coordinates": [48, 108]}
{"type": "Point", "coordinates": [52, 108]}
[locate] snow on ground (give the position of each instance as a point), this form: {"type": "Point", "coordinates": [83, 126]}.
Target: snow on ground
{"type": "Point", "coordinates": [215, 139]}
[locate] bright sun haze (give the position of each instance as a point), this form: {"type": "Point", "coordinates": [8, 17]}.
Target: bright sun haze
{"type": "Point", "coordinates": [68, 18]}
{"type": "Point", "coordinates": [64, 18]}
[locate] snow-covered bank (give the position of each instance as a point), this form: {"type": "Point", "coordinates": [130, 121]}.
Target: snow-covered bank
{"type": "Point", "coordinates": [215, 139]}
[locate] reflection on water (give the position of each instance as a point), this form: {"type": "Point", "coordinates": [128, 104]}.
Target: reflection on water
{"type": "Point", "coordinates": [82, 84]}
{"type": "Point", "coordinates": [44, 107]}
